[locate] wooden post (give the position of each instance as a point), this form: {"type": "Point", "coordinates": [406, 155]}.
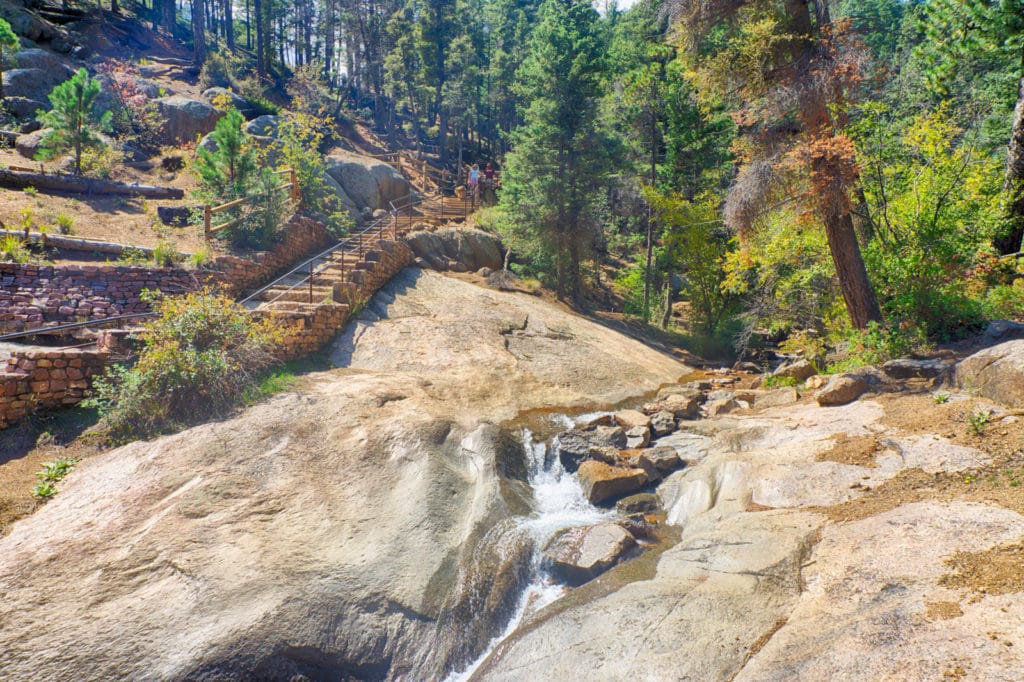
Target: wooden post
{"type": "Point", "coordinates": [207, 216]}
{"type": "Point", "coordinates": [296, 194]}
{"type": "Point", "coordinates": [380, 230]}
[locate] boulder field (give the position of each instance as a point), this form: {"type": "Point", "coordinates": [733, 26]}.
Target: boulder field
{"type": "Point", "coordinates": [355, 528]}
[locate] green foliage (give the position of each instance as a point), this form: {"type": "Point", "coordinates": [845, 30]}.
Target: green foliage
{"type": "Point", "coordinates": [552, 178]}
{"type": "Point", "coordinates": [13, 250]}
{"type": "Point", "coordinates": [65, 223]}
{"type": "Point", "coordinates": [934, 199]}
{"type": "Point", "coordinates": [74, 121]}
{"type": "Point", "coordinates": [780, 382]}
{"type": "Point", "coordinates": [228, 172]}
{"type": "Point", "coordinates": [43, 491]}
{"type": "Point", "coordinates": [200, 257]}
{"type": "Point", "coordinates": [940, 398]}
{"type": "Point", "coordinates": [300, 137]}
{"type": "Point", "coordinates": [165, 254]}
{"type": "Point", "coordinates": [8, 43]}
{"type": "Point", "coordinates": [876, 345]}
{"type": "Point", "coordinates": [978, 421]}
{"type": "Point", "coordinates": [200, 357]}
{"type": "Point", "coordinates": [56, 470]}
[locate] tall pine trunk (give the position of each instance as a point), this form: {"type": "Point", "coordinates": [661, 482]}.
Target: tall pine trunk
{"type": "Point", "coordinates": [1013, 185]}
{"type": "Point", "coordinates": [858, 293]}
{"type": "Point", "coordinates": [199, 31]}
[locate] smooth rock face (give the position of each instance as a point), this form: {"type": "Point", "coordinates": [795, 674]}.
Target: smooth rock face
{"type": "Point", "coordinates": [780, 396]}
{"type": "Point", "coordinates": [353, 527]}
{"type": "Point", "coordinates": [785, 594]}
{"type": "Point", "coordinates": [582, 553]}
{"type": "Point", "coordinates": [34, 83]}
{"type": "Point", "coordinates": [22, 107]}
{"type": "Point", "coordinates": [602, 482]}
{"type": "Point", "coordinates": [368, 182]}
{"type": "Point", "coordinates": [841, 389]}
{"type": "Point", "coordinates": [684, 404]}
{"type": "Point", "coordinates": [473, 249]}
{"type": "Point", "coordinates": [185, 119]}
{"type": "Point", "coordinates": [996, 373]}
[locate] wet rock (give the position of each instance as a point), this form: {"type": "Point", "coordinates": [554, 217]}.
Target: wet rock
{"type": "Point", "coordinates": [641, 503]}
{"type": "Point", "coordinates": [582, 553]}
{"type": "Point", "coordinates": [663, 423]}
{"type": "Point", "coordinates": [800, 370]}
{"type": "Point", "coordinates": [665, 459]}
{"type": "Point", "coordinates": [638, 437]}
{"type": "Point", "coordinates": [611, 456]}
{"type": "Point", "coordinates": [629, 419]}
{"type": "Point", "coordinates": [575, 445]}
{"type": "Point", "coordinates": [996, 373]}
{"type": "Point", "coordinates": [841, 389]}
{"type": "Point", "coordinates": [702, 385]}
{"type": "Point", "coordinates": [602, 482]}
{"type": "Point", "coordinates": [780, 396]}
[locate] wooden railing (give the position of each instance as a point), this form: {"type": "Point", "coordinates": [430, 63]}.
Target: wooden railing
{"type": "Point", "coordinates": [209, 229]}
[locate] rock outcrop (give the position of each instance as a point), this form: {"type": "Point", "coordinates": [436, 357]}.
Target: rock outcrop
{"type": "Point", "coordinates": [468, 248]}
{"type": "Point", "coordinates": [996, 372]}
{"type": "Point", "coordinates": [357, 527]}
{"type": "Point", "coordinates": [367, 182]}
{"type": "Point", "coordinates": [184, 119]}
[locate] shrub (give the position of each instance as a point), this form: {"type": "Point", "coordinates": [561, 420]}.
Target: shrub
{"type": "Point", "coordinates": [877, 344]}
{"type": "Point", "coordinates": [65, 223]}
{"type": "Point", "coordinates": [12, 249]}
{"type": "Point", "coordinates": [200, 358]}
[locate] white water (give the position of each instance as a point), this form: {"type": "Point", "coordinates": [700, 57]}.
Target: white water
{"type": "Point", "coordinates": [558, 503]}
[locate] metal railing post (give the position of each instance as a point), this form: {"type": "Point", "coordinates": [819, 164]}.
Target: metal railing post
{"type": "Point", "coordinates": [311, 281]}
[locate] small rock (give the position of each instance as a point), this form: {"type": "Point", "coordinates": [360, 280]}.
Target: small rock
{"type": "Point", "coordinates": [638, 437]}
{"type": "Point", "coordinates": [713, 408]}
{"type": "Point", "coordinates": [630, 419]}
{"type": "Point", "coordinates": [641, 503]}
{"type": "Point", "coordinates": [750, 367]}
{"type": "Point", "coordinates": [721, 394]}
{"type": "Point", "coordinates": [663, 458]}
{"type": "Point", "coordinates": [602, 482]}
{"type": "Point", "coordinates": [816, 382]}
{"type": "Point", "coordinates": [663, 423]}
{"type": "Point", "coordinates": [681, 405]}
{"type": "Point", "coordinates": [703, 385]}
{"type": "Point", "coordinates": [999, 331]}
{"type": "Point", "coordinates": [780, 396]}
{"type": "Point", "coordinates": [841, 389]}
{"type": "Point", "coordinates": [23, 107]}
{"type": "Point", "coordinates": [178, 216]}
{"type": "Point", "coordinates": [582, 553]}
{"type": "Point", "coordinates": [603, 420]}
{"type": "Point", "coordinates": [909, 368]}
{"type": "Point", "coordinates": [799, 370]}
{"type": "Point", "coordinates": [28, 145]}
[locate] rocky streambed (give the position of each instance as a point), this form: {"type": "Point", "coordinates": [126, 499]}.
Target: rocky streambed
{"type": "Point", "coordinates": [422, 512]}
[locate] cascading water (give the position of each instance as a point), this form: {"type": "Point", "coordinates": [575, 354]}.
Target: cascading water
{"type": "Point", "coordinates": [558, 503]}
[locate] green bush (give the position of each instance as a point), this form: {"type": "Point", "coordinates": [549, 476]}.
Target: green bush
{"type": "Point", "coordinates": [200, 358]}
{"type": "Point", "coordinates": [876, 345]}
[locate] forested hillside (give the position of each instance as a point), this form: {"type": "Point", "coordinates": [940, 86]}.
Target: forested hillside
{"type": "Point", "coordinates": [738, 172]}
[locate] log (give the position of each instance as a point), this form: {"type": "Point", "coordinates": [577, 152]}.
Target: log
{"type": "Point", "coordinates": [80, 185]}
{"type": "Point", "coordinates": [79, 244]}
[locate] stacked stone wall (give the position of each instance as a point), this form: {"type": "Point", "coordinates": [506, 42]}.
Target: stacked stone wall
{"type": "Point", "coordinates": [35, 379]}
{"type": "Point", "coordinates": [33, 296]}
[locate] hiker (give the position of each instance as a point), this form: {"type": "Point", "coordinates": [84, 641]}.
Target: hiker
{"type": "Point", "coordinates": [474, 180]}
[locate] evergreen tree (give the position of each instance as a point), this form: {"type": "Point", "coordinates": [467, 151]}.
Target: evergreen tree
{"type": "Point", "coordinates": [74, 121]}
{"type": "Point", "coordinates": [560, 158]}
{"type": "Point", "coordinates": [8, 42]}
{"type": "Point", "coordinates": [229, 170]}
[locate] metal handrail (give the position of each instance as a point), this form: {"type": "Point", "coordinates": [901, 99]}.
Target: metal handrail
{"type": "Point", "coordinates": [73, 325]}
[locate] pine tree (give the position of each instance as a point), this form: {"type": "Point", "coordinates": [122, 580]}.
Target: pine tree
{"type": "Point", "coordinates": [560, 159]}
{"type": "Point", "coordinates": [229, 171]}
{"type": "Point", "coordinates": [9, 42]}
{"type": "Point", "coordinates": [74, 121]}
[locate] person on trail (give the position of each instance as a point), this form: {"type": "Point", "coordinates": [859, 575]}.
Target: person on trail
{"type": "Point", "coordinates": [489, 175]}
{"type": "Point", "coordinates": [474, 180]}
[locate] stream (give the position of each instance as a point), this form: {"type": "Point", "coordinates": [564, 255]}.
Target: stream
{"type": "Point", "coordinates": [558, 503]}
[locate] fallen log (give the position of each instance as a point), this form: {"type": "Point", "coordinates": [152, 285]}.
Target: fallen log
{"type": "Point", "coordinates": [80, 185]}
{"type": "Point", "coordinates": [78, 244]}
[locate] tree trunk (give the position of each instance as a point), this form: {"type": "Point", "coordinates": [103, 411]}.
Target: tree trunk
{"type": "Point", "coordinates": [199, 31]}
{"type": "Point", "coordinates": [229, 23]}
{"type": "Point", "coordinates": [647, 267]}
{"type": "Point", "coordinates": [261, 48]}
{"type": "Point", "coordinates": [858, 294]}
{"type": "Point", "coordinates": [666, 316]}
{"type": "Point", "coordinates": [1013, 185]}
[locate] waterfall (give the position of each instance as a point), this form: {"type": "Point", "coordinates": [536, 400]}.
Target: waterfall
{"type": "Point", "coordinates": [558, 503]}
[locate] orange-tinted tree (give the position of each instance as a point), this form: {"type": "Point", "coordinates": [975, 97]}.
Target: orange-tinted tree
{"type": "Point", "coordinates": [787, 72]}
